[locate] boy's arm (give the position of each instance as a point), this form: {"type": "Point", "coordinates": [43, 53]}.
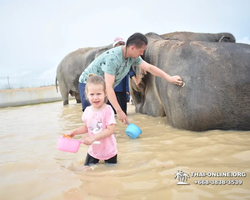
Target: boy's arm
{"type": "Point", "coordinates": [135, 80]}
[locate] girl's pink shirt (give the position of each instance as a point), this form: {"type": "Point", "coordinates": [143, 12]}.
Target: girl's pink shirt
{"type": "Point", "coordinates": [97, 121]}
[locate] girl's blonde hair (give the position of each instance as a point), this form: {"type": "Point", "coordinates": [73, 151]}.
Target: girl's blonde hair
{"type": "Point", "coordinates": [95, 79]}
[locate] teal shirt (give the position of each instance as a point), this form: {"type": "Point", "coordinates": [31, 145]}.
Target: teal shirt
{"type": "Point", "coordinates": [112, 62]}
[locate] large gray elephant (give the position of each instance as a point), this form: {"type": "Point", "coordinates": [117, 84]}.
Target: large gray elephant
{"type": "Point", "coordinates": [70, 69]}
{"type": "Point", "coordinates": [191, 36]}
{"type": "Point", "coordinates": [216, 94]}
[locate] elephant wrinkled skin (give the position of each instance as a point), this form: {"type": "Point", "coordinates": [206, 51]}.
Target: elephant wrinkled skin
{"type": "Point", "coordinates": [191, 36]}
{"type": "Point", "coordinates": [216, 94]}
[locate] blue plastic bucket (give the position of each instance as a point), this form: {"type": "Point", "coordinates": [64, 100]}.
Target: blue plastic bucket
{"type": "Point", "coordinates": [133, 131]}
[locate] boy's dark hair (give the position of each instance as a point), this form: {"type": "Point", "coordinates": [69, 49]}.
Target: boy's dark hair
{"type": "Point", "coordinates": [137, 39]}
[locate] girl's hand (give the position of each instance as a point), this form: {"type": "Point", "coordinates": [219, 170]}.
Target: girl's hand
{"type": "Point", "coordinates": [88, 140]}
{"type": "Point", "coordinates": [71, 134]}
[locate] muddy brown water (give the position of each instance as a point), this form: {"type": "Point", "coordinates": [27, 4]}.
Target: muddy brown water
{"type": "Point", "coordinates": [31, 166]}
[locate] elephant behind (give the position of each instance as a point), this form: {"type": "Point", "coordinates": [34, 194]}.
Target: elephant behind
{"type": "Point", "coordinates": [217, 90]}
{"type": "Point", "coordinates": [191, 36]}
{"type": "Point", "coordinates": [70, 69]}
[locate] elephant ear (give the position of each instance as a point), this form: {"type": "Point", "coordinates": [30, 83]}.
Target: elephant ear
{"type": "Point", "coordinates": [141, 87]}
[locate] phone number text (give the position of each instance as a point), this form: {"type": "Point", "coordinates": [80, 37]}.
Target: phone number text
{"type": "Point", "coordinates": [218, 182]}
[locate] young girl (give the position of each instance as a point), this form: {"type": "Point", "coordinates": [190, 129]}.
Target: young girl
{"type": "Point", "coordinates": [99, 123]}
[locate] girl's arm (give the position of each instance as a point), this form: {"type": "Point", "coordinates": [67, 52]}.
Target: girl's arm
{"type": "Point", "coordinates": [105, 133]}
{"type": "Point", "coordinates": [136, 80]}
{"type": "Point", "coordinates": [81, 130]}
{"type": "Point", "coordinates": [132, 75]}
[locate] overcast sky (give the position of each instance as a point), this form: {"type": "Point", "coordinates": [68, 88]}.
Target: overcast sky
{"type": "Point", "coordinates": [36, 35]}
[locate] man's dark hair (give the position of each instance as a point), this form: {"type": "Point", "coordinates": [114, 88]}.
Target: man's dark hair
{"type": "Point", "coordinates": [137, 39]}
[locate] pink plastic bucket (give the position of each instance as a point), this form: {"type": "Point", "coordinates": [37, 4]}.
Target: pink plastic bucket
{"type": "Point", "coordinates": [69, 145]}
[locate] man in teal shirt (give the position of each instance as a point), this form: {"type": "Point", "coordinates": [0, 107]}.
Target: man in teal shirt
{"type": "Point", "coordinates": [111, 62]}
{"type": "Point", "coordinates": [115, 64]}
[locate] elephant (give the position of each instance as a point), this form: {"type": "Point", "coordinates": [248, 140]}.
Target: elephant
{"type": "Point", "coordinates": [191, 36]}
{"type": "Point", "coordinates": [70, 69]}
{"type": "Point", "coordinates": [216, 94]}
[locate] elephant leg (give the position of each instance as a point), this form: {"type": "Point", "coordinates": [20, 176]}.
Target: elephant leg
{"type": "Point", "coordinates": [65, 102]}
{"type": "Point", "coordinates": [77, 97]}
{"type": "Point", "coordinates": [64, 93]}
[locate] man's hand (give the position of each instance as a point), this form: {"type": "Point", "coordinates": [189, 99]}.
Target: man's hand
{"type": "Point", "coordinates": [122, 117]}
{"type": "Point", "coordinates": [177, 80]}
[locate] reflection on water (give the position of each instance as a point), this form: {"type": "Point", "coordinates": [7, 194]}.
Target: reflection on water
{"type": "Point", "coordinates": [31, 167]}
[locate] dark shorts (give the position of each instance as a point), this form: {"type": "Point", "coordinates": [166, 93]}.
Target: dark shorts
{"type": "Point", "coordinates": [91, 160]}
{"type": "Point", "coordinates": [122, 100]}
{"type": "Point", "coordinates": [85, 102]}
